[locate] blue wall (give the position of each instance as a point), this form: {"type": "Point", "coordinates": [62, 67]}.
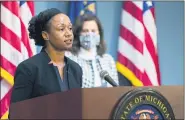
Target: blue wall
{"type": "Point", "coordinates": [170, 26]}
{"type": "Point", "coordinates": [170, 29]}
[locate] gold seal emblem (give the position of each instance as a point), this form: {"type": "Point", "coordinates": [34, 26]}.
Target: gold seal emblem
{"type": "Point", "coordinates": [145, 103]}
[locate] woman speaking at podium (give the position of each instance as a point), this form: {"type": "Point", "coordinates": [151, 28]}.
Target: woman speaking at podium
{"type": "Point", "coordinates": [49, 71]}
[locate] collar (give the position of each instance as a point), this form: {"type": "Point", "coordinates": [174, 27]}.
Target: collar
{"type": "Point", "coordinates": [49, 61]}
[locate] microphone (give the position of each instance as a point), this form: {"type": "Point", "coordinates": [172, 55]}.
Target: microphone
{"type": "Point", "coordinates": [105, 75]}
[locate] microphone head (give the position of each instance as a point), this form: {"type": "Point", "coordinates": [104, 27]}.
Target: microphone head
{"type": "Point", "coordinates": [103, 73]}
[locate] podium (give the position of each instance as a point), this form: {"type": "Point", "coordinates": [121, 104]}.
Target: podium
{"type": "Point", "coordinates": [88, 103]}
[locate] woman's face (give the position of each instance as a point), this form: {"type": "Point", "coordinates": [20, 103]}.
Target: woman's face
{"type": "Point", "coordinates": [90, 26]}
{"type": "Point", "coordinates": [60, 35]}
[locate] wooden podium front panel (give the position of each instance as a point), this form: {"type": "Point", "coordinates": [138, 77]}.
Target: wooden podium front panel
{"type": "Point", "coordinates": [88, 103]}
{"type": "Point", "coordinates": [98, 103]}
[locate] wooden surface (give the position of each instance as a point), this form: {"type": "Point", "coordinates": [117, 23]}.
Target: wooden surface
{"type": "Point", "coordinates": [89, 103]}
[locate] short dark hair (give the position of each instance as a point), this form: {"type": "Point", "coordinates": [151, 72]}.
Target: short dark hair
{"type": "Point", "coordinates": [39, 23]}
{"type": "Point", "coordinates": [101, 49]}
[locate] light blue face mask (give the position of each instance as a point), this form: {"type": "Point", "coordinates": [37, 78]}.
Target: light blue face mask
{"type": "Point", "coordinates": [89, 40]}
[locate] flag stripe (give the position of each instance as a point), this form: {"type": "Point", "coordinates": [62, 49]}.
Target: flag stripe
{"type": "Point", "coordinates": [24, 51]}
{"type": "Point", "coordinates": [130, 7]}
{"type": "Point", "coordinates": [9, 35]}
{"type": "Point", "coordinates": [12, 6]}
{"type": "Point", "coordinates": [5, 64]}
{"type": "Point", "coordinates": [153, 53]}
{"type": "Point", "coordinates": [132, 54]}
{"type": "Point", "coordinates": [25, 11]}
{"type": "Point", "coordinates": [150, 67]}
{"type": "Point", "coordinates": [31, 7]}
{"type": "Point", "coordinates": [153, 13]}
{"type": "Point", "coordinates": [131, 38]}
{"type": "Point", "coordinates": [123, 60]}
{"type": "Point", "coordinates": [11, 21]}
{"type": "Point", "coordinates": [137, 29]}
{"type": "Point", "coordinates": [138, 4]}
{"type": "Point", "coordinates": [149, 23]}
{"type": "Point", "coordinates": [5, 103]}
{"type": "Point", "coordinates": [14, 56]}
{"type": "Point", "coordinates": [25, 39]}
{"type": "Point", "coordinates": [147, 81]}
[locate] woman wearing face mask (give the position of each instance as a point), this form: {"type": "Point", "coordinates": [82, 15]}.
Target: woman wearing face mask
{"type": "Point", "coordinates": [89, 52]}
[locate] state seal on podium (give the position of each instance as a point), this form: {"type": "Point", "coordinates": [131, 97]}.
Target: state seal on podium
{"type": "Point", "coordinates": [143, 103]}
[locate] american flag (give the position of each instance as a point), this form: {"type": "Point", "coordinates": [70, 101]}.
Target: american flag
{"type": "Point", "coordinates": [137, 46]}
{"type": "Point", "coordinates": [15, 45]}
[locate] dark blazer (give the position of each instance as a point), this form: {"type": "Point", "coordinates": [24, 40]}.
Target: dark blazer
{"type": "Point", "coordinates": [35, 77]}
